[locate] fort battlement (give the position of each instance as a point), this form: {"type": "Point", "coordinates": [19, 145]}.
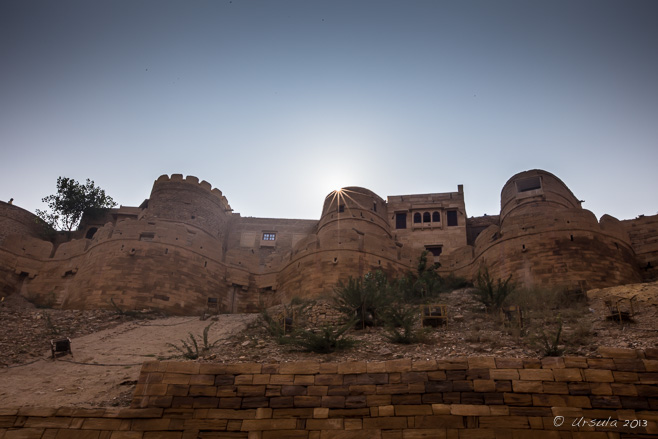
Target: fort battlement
{"type": "Point", "coordinates": [184, 245]}
{"type": "Point", "coordinates": [194, 182]}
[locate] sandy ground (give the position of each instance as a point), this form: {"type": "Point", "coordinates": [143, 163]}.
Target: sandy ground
{"type": "Point", "coordinates": [105, 365]}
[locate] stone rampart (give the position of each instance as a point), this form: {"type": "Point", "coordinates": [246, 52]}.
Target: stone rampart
{"type": "Point", "coordinates": [615, 396]}
{"type": "Point", "coordinates": [17, 221]}
{"type": "Point", "coordinates": [643, 233]}
{"type": "Point", "coordinates": [185, 200]}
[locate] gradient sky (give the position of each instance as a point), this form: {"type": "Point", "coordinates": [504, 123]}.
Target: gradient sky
{"type": "Point", "coordinates": [277, 103]}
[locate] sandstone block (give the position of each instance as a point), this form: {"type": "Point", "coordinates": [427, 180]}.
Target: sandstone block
{"type": "Point", "coordinates": [598, 375]}
{"type": "Point", "coordinates": [187, 367]}
{"type": "Point", "coordinates": [384, 423]}
{"type": "Point", "coordinates": [268, 424]}
{"type": "Point", "coordinates": [536, 374]}
{"type": "Point", "coordinates": [504, 374]}
{"type": "Point", "coordinates": [481, 363]}
{"type": "Point", "coordinates": [413, 410]}
{"type": "Point", "coordinates": [527, 386]}
{"type": "Point", "coordinates": [423, 365]}
{"type": "Point", "coordinates": [469, 410]}
{"type": "Point", "coordinates": [401, 365]}
{"type": "Point", "coordinates": [300, 368]}
{"type": "Point", "coordinates": [351, 367]}
{"type": "Point", "coordinates": [324, 424]}
{"type": "Point", "coordinates": [609, 352]}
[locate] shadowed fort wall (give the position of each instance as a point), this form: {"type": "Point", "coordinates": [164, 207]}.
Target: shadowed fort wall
{"type": "Point", "coordinates": [352, 238]}
{"type": "Point", "coordinates": [643, 233]}
{"type": "Point", "coordinates": [184, 245]}
{"type": "Point", "coordinates": [545, 239]}
{"type": "Point", "coordinates": [17, 221]}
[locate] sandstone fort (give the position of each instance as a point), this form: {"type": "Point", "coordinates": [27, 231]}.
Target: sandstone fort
{"type": "Point", "coordinates": [184, 245]}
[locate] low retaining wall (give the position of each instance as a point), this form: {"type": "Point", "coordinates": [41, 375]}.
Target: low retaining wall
{"type": "Point", "coordinates": [615, 396]}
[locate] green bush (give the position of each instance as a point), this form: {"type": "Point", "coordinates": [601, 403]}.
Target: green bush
{"type": "Point", "coordinates": [550, 343]}
{"type": "Point", "coordinates": [402, 325]}
{"type": "Point", "coordinates": [273, 326]}
{"type": "Point", "coordinates": [492, 293]}
{"type": "Point", "coordinates": [324, 340]}
{"type": "Point", "coordinates": [190, 348]}
{"type": "Point", "coordinates": [363, 300]}
{"type": "Point", "coordinates": [291, 317]}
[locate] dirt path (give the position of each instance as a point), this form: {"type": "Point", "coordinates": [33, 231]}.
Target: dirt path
{"type": "Point", "coordinates": [105, 365]}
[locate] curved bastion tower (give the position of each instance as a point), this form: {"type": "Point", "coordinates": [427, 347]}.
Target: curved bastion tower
{"type": "Point", "coordinates": [184, 248]}
{"type": "Point", "coordinates": [544, 238]}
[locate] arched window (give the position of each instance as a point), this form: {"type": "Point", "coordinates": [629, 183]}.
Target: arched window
{"type": "Point", "coordinates": [91, 232]}
{"type": "Point", "coordinates": [436, 217]}
{"type": "Point", "coordinates": [417, 218]}
{"type": "Point", "coordinates": [426, 217]}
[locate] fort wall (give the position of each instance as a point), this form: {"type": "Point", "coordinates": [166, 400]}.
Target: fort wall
{"type": "Point", "coordinates": [475, 397]}
{"type": "Point", "coordinates": [544, 239]}
{"type": "Point", "coordinates": [184, 245]}
{"type": "Point", "coordinates": [643, 234]}
{"type": "Point", "coordinates": [17, 221]}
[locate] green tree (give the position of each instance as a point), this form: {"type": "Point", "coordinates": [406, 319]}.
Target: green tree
{"type": "Point", "coordinates": [71, 201]}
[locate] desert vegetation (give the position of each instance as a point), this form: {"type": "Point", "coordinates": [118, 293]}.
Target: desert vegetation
{"type": "Point", "coordinates": [546, 321]}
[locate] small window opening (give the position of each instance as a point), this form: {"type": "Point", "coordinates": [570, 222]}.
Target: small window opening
{"type": "Point", "coordinates": [417, 218]}
{"type": "Point", "coordinates": [146, 236]}
{"type": "Point", "coordinates": [205, 264]}
{"type": "Point", "coordinates": [436, 217]}
{"type": "Point", "coordinates": [91, 232]}
{"type": "Point", "coordinates": [452, 217]}
{"type": "Point", "coordinates": [434, 249]}
{"type": "Point", "coordinates": [166, 251]}
{"type": "Point", "coordinates": [571, 237]}
{"type": "Point", "coordinates": [427, 217]}
{"type": "Point", "coordinates": [528, 184]}
{"type": "Point", "coordinates": [374, 206]}
{"type": "Point", "coordinates": [400, 220]}
{"type": "Point", "coordinates": [269, 236]}
{"type": "Point", "coordinates": [341, 208]}
{"type": "Point", "coordinates": [193, 217]}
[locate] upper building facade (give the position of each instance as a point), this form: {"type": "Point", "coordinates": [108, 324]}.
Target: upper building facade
{"type": "Point", "coordinates": [184, 245]}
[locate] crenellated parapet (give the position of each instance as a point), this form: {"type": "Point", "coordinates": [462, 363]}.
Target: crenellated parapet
{"type": "Point", "coordinates": [187, 200]}
{"type": "Point", "coordinates": [194, 181]}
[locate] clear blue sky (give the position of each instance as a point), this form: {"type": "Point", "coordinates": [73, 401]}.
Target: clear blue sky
{"type": "Point", "coordinates": [277, 103]}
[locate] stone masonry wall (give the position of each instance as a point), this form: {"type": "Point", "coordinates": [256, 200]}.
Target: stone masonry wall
{"type": "Point", "coordinates": [17, 221]}
{"type": "Point", "coordinates": [643, 232]}
{"type": "Point", "coordinates": [478, 397]}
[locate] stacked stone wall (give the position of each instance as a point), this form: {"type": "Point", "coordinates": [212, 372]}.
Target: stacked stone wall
{"type": "Point", "coordinates": [553, 193]}
{"type": "Point", "coordinates": [558, 248]}
{"type": "Point", "coordinates": [137, 264]}
{"type": "Point", "coordinates": [185, 200]}
{"type": "Point", "coordinates": [643, 233]}
{"type": "Point", "coordinates": [17, 221]}
{"type": "Point", "coordinates": [477, 397]}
